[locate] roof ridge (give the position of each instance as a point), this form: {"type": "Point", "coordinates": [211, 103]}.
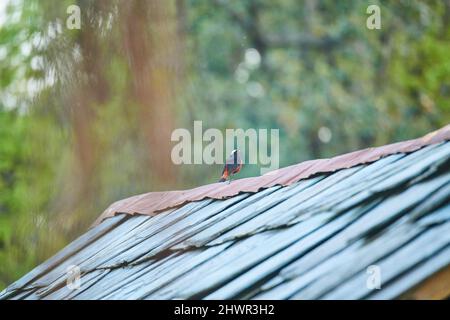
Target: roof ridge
{"type": "Point", "coordinates": [151, 203]}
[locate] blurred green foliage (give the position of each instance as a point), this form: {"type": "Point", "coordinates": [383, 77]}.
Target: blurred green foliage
{"type": "Point", "coordinates": [73, 109]}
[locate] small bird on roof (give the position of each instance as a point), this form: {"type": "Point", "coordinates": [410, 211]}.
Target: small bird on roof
{"type": "Point", "coordinates": [232, 166]}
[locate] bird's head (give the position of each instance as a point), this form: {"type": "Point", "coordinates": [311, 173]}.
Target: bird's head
{"type": "Point", "coordinates": [236, 151]}
{"type": "Point", "coordinates": [236, 154]}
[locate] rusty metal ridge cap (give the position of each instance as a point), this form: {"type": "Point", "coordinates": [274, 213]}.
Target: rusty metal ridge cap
{"type": "Point", "coordinates": [153, 203]}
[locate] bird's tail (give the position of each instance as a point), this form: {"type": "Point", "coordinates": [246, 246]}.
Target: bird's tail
{"type": "Point", "coordinates": [222, 179]}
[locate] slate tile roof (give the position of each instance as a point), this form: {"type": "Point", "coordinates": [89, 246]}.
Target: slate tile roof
{"type": "Point", "coordinates": [312, 239]}
{"type": "Point", "coordinates": [154, 202]}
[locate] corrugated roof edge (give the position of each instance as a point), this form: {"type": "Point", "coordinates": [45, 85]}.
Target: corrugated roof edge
{"type": "Point", "coordinates": [154, 202]}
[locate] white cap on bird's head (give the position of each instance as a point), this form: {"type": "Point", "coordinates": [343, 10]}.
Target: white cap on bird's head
{"type": "Point", "coordinates": [235, 153]}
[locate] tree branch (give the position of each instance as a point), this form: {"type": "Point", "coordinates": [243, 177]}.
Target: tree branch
{"type": "Point", "coordinates": [262, 41]}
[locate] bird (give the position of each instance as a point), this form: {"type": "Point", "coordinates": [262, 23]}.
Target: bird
{"type": "Point", "coordinates": [232, 166]}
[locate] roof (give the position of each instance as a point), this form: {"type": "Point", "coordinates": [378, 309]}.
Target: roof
{"type": "Point", "coordinates": [154, 202]}
{"type": "Point", "coordinates": [312, 239]}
